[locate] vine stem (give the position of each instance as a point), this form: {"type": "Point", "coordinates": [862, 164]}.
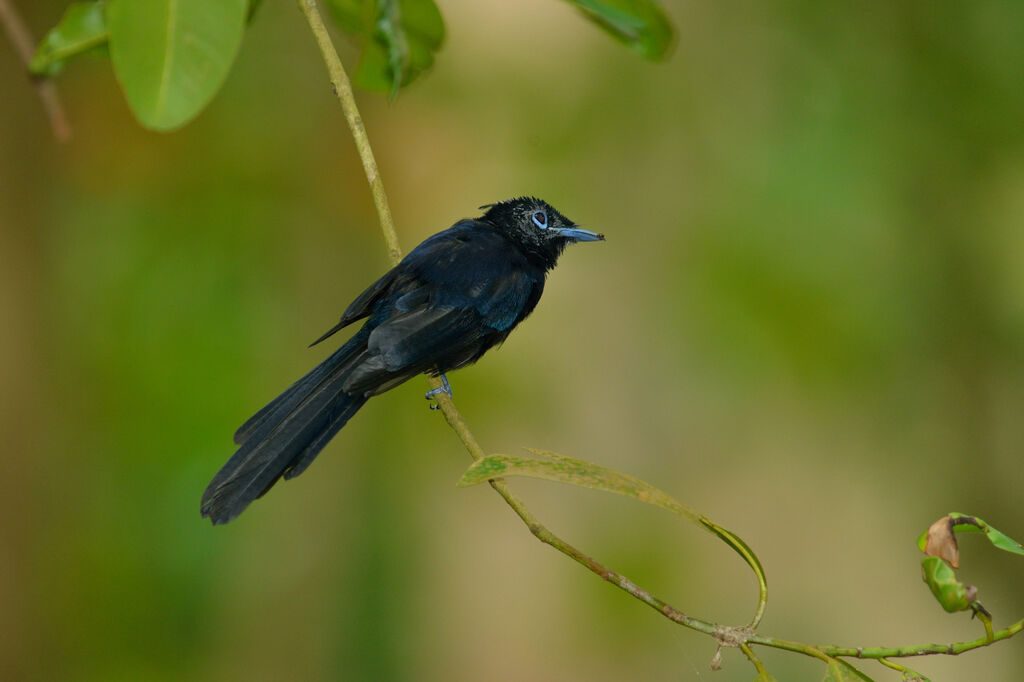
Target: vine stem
{"type": "Point", "coordinates": [343, 89]}
{"type": "Point", "coordinates": [758, 665]}
{"type": "Point", "coordinates": [741, 637]}
{"type": "Point", "coordinates": [24, 45]}
{"type": "Point", "coordinates": [878, 652]}
{"type": "Point", "coordinates": [908, 673]}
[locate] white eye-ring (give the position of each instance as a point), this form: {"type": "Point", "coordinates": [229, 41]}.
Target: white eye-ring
{"type": "Point", "coordinates": [540, 219]}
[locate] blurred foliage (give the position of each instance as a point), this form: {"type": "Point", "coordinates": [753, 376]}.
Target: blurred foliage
{"type": "Point", "coordinates": [82, 29]}
{"type": "Point", "coordinates": [808, 323]}
{"type": "Point", "coordinates": [640, 24]}
{"type": "Point", "coordinates": [399, 38]}
{"type": "Point", "coordinates": [172, 56]}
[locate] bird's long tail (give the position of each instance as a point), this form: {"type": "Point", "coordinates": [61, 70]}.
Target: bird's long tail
{"type": "Point", "coordinates": [283, 438]}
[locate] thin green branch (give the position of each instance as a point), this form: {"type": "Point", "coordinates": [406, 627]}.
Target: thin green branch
{"type": "Point", "coordinates": [953, 649]}
{"type": "Point", "coordinates": [343, 89]}
{"type": "Point", "coordinates": [458, 425]}
{"type": "Point", "coordinates": [24, 45]}
{"type": "Point", "coordinates": [726, 636]}
{"type": "Point", "coordinates": [615, 578]}
{"type": "Point", "coordinates": [986, 620]}
{"type": "Point", "coordinates": [908, 672]}
{"type": "Point", "coordinates": [761, 670]}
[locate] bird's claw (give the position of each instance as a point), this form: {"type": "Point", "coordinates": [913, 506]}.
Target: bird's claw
{"type": "Point", "coordinates": [445, 387]}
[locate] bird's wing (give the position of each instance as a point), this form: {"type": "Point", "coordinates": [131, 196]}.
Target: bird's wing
{"type": "Point", "coordinates": [436, 248]}
{"type": "Point", "coordinates": [456, 296]}
{"type": "Point", "coordinates": [471, 266]}
{"type": "Point", "coordinates": [418, 338]}
{"type": "Point", "coordinates": [363, 305]}
{"type": "Point", "coordinates": [449, 320]}
{"type": "Point", "coordinates": [449, 300]}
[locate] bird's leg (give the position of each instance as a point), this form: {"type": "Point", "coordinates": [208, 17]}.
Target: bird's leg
{"type": "Point", "coordinates": [445, 387]}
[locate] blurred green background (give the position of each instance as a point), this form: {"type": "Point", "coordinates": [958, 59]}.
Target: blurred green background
{"type": "Point", "coordinates": [807, 322]}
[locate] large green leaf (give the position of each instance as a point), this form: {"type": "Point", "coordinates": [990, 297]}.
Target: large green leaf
{"type": "Point", "coordinates": [640, 24]}
{"type": "Point", "coordinates": [554, 467]}
{"type": "Point", "coordinates": [399, 39]}
{"type": "Point", "coordinates": [171, 56]}
{"type": "Point", "coordinates": [83, 28]}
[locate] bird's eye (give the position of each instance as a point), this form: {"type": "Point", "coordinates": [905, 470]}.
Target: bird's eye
{"type": "Point", "coordinates": [540, 219]}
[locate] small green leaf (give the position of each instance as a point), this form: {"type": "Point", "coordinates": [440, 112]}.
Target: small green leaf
{"type": "Point", "coordinates": [171, 56]}
{"type": "Point", "coordinates": [83, 28]}
{"type": "Point", "coordinates": [941, 579]}
{"type": "Point", "coordinates": [833, 673]}
{"type": "Point", "coordinates": [639, 24]}
{"type": "Point", "coordinates": [972, 524]}
{"type": "Point", "coordinates": [374, 69]}
{"type": "Point", "coordinates": [399, 39]}
{"type": "Point", "coordinates": [914, 677]}
{"type": "Point", "coordinates": [554, 467]}
{"type": "Point", "coordinates": [838, 670]}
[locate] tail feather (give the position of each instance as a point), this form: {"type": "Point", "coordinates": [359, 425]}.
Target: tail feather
{"type": "Point", "coordinates": [343, 411]}
{"type": "Point", "coordinates": [290, 394]}
{"type": "Point", "coordinates": [284, 437]}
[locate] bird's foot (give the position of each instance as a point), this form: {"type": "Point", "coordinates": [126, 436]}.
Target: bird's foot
{"type": "Point", "coordinates": [445, 387]}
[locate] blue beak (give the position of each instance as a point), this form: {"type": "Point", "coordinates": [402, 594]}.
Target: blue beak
{"type": "Point", "coordinates": [579, 234]}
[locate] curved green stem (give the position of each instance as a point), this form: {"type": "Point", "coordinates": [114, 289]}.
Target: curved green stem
{"type": "Point", "coordinates": [905, 670]}
{"type": "Point", "coordinates": [986, 620]}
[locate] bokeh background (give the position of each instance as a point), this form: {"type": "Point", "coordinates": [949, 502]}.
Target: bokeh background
{"type": "Point", "coordinates": [807, 322]}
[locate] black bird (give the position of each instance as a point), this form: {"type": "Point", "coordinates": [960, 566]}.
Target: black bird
{"type": "Point", "coordinates": [452, 298]}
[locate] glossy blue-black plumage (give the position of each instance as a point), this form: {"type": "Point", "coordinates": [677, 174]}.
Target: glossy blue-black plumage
{"type": "Point", "coordinates": [453, 297]}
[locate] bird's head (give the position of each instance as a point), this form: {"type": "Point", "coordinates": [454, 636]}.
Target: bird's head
{"type": "Point", "coordinates": [537, 227]}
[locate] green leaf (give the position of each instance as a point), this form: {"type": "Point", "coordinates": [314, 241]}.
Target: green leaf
{"type": "Point", "coordinates": [914, 677]}
{"type": "Point", "coordinates": [82, 29]}
{"type": "Point", "coordinates": [838, 670]}
{"type": "Point", "coordinates": [554, 467]}
{"type": "Point", "coordinates": [171, 56]}
{"type": "Point", "coordinates": [639, 24]}
{"type": "Point", "coordinates": [941, 579]}
{"type": "Point", "coordinates": [972, 524]}
{"type": "Point", "coordinates": [399, 39]}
